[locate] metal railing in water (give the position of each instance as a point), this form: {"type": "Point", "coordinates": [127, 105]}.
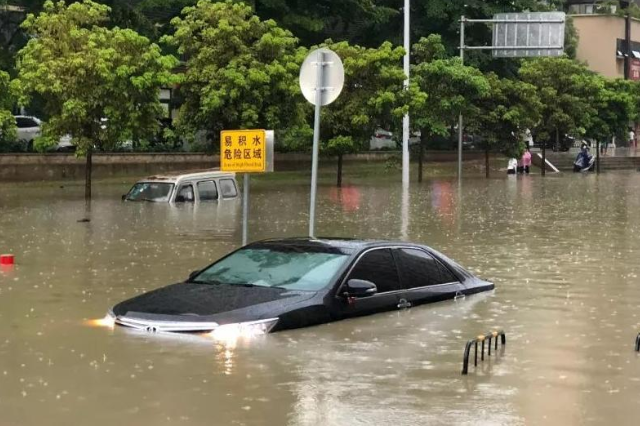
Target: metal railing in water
{"type": "Point", "coordinates": [491, 338]}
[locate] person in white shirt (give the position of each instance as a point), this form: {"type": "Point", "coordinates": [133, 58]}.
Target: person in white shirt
{"type": "Point", "coordinates": [511, 168]}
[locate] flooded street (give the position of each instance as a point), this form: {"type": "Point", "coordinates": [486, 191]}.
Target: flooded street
{"type": "Point", "coordinates": [564, 253]}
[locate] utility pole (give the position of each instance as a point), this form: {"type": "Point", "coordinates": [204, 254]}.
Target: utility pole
{"type": "Point", "coordinates": [460, 120]}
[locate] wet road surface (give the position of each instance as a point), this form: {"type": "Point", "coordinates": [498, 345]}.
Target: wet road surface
{"type": "Point", "coordinates": [563, 251]}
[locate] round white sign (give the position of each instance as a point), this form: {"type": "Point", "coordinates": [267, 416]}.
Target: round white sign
{"type": "Point", "coordinates": [332, 76]}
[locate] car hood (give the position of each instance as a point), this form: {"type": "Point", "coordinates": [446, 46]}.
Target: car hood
{"type": "Point", "coordinates": [193, 303]}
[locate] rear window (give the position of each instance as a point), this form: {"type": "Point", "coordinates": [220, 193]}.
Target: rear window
{"type": "Point", "coordinates": [23, 122]}
{"type": "Point", "coordinates": [228, 188]}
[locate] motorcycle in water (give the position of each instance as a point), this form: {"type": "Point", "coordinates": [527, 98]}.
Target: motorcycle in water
{"type": "Point", "coordinates": [584, 161]}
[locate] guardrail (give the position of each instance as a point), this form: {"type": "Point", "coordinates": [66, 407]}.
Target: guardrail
{"type": "Point", "coordinates": [491, 337]}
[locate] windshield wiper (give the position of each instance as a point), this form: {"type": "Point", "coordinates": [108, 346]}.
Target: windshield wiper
{"type": "Point", "coordinates": [204, 282]}
{"type": "Point", "coordinates": [252, 285]}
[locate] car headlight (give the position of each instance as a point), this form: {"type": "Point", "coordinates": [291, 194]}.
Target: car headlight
{"type": "Point", "coordinates": [243, 329]}
{"type": "Point", "coordinates": [108, 321]}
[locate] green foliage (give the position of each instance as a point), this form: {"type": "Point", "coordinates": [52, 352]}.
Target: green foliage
{"type": "Point", "coordinates": [510, 108]}
{"type": "Point", "coordinates": [372, 97]}
{"type": "Point", "coordinates": [7, 122]}
{"type": "Point", "coordinates": [616, 104]}
{"type": "Point", "coordinates": [568, 92]}
{"type": "Point", "coordinates": [356, 21]}
{"type": "Point", "coordinates": [442, 89]}
{"type": "Point", "coordinates": [100, 85]}
{"type": "Point", "coordinates": [241, 72]}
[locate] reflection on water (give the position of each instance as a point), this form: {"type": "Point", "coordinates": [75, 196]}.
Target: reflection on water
{"type": "Point", "coordinates": [563, 252]}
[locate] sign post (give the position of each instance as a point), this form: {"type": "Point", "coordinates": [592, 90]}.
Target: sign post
{"type": "Point", "coordinates": [517, 35]}
{"type": "Point", "coordinates": [246, 151]}
{"type": "Point", "coordinates": [321, 81]}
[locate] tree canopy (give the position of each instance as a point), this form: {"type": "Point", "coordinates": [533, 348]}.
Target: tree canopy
{"type": "Point", "coordinates": [372, 98]}
{"type": "Point", "coordinates": [615, 109]}
{"type": "Point", "coordinates": [7, 122]}
{"type": "Point", "coordinates": [452, 88]}
{"type": "Point", "coordinates": [568, 92]}
{"type": "Point", "coordinates": [241, 72]}
{"type": "Point", "coordinates": [510, 108]}
{"type": "Point", "coordinates": [100, 85]}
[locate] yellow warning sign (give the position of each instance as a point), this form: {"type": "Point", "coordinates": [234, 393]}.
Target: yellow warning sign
{"type": "Point", "coordinates": [243, 150]}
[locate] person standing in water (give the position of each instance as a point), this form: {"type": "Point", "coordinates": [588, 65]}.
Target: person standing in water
{"type": "Point", "coordinates": [526, 160]}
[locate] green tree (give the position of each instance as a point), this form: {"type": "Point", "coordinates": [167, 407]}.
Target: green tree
{"type": "Point", "coordinates": [615, 103]}
{"type": "Point", "coordinates": [314, 21]}
{"type": "Point", "coordinates": [568, 92]}
{"type": "Point", "coordinates": [7, 122]}
{"type": "Point", "coordinates": [451, 87]}
{"type": "Point", "coordinates": [241, 72]}
{"type": "Point", "coordinates": [510, 108]}
{"type": "Point", "coordinates": [100, 85]}
{"type": "Point", "coordinates": [372, 98]}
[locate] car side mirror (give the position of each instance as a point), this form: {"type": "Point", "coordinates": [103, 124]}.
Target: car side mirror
{"type": "Point", "coordinates": [179, 199]}
{"type": "Point", "coordinates": [124, 197]}
{"type": "Point", "coordinates": [360, 288]}
{"type": "Point", "coordinates": [193, 274]}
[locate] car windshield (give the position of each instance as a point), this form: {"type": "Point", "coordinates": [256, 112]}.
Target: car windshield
{"type": "Point", "coordinates": [299, 269]}
{"type": "Point", "coordinates": [150, 192]}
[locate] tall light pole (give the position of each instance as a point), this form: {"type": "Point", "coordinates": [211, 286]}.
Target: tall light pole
{"type": "Point", "coordinates": [405, 119]}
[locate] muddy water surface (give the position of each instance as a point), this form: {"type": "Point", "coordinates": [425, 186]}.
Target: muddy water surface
{"type": "Point", "coordinates": [564, 253]}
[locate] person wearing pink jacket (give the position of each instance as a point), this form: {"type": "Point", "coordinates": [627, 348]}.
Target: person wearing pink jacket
{"type": "Point", "coordinates": [526, 160]}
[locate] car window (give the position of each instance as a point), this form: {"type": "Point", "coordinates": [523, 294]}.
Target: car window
{"type": "Point", "coordinates": [418, 268]}
{"type": "Point", "coordinates": [207, 190]}
{"type": "Point", "coordinates": [377, 266]}
{"type": "Point", "coordinates": [228, 188]}
{"type": "Point", "coordinates": [186, 192]}
{"type": "Point", "coordinates": [23, 122]}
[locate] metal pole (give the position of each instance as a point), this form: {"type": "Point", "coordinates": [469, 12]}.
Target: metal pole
{"type": "Point", "coordinates": [405, 119]}
{"type": "Point", "coordinates": [627, 50]}
{"type": "Point", "coordinates": [245, 209]}
{"type": "Point", "coordinates": [460, 119]}
{"type": "Point", "coordinates": [316, 141]}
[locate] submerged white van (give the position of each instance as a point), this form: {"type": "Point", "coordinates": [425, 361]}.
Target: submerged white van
{"type": "Point", "coordinates": [185, 187]}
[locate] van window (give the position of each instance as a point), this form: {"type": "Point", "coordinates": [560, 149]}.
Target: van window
{"type": "Point", "coordinates": [207, 190]}
{"type": "Point", "coordinates": [228, 188]}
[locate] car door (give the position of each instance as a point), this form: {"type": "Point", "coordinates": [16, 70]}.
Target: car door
{"type": "Point", "coordinates": [379, 267]}
{"type": "Point", "coordinates": [425, 278]}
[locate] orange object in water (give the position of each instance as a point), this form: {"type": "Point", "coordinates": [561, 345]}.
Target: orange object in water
{"type": "Point", "coordinates": [7, 259]}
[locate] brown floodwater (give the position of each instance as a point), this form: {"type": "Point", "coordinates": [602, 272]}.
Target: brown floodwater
{"type": "Point", "coordinates": [564, 253]}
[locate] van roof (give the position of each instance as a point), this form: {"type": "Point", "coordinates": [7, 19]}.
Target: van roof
{"type": "Point", "coordinates": [193, 174]}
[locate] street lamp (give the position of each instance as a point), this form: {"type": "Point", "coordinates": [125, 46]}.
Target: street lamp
{"type": "Point", "coordinates": [405, 119]}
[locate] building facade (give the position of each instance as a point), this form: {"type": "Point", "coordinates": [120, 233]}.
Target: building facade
{"type": "Point", "coordinates": [602, 44]}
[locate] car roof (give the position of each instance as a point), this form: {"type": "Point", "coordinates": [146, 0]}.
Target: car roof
{"type": "Point", "coordinates": [338, 242]}
{"type": "Point", "coordinates": [194, 174]}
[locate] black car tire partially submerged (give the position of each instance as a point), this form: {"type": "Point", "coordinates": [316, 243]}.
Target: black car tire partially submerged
{"type": "Point", "coordinates": [291, 283]}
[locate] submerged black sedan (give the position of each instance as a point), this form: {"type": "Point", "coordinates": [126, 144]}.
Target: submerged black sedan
{"type": "Point", "coordinates": [291, 283]}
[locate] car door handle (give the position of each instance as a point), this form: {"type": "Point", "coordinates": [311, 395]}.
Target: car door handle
{"type": "Point", "coordinates": [403, 303]}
